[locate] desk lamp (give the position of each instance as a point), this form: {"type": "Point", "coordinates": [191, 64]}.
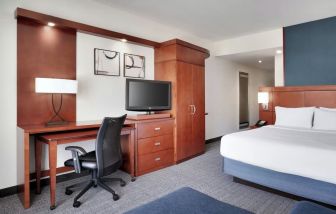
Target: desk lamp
{"type": "Point", "coordinates": [56, 86]}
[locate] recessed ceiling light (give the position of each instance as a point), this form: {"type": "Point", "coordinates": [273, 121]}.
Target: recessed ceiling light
{"type": "Point", "coordinates": [260, 61]}
{"type": "Point", "coordinates": [279, 51]}
{"type": "Point", "coordinates": [123, 40]}
{"type": "Point", "coordinates": [51, 24]}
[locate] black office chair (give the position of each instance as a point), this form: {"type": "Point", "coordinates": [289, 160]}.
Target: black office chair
{"type": "Point", "coordinates": [106, 159]}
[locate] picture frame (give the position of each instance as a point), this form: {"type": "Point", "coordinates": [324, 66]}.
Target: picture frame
{"type": "Point", "coordinates": [134, 66]}
{"type": "Point", "coordinates": [106, 62]}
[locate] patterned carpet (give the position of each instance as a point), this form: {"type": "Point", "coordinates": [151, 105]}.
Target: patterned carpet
{"type": "Point", "coordinates": [202, 173]}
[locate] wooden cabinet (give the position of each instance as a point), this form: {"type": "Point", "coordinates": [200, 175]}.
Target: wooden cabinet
{"type": "Point", "coordinates": [155, 145]}
{"type": "Point", "coordinates": [183, 65]}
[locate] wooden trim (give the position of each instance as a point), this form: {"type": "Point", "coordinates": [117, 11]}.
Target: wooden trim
{"type": "Point", "coordinates": [299, 88]}
{"type": "Point", "coordinates": [185, 44]}
{"type": "Point", "coordinates": [306, 88]}
{"type": "Point", "coordinates": [64, 23]}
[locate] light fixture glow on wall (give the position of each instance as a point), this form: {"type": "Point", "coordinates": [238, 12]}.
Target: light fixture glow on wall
{"type": "Point", "coordinates": [51, 24]}
{"type": "Point", "coordinates": [279, 51]}
{"type": "Point", "coordinates": [259, 61]}
{"type": "Point", "coordinates": [263, 99]}
{"type": "Point", "coordinates": [123, 40]}
{"type": "Point", "coordinates": [56, 86]}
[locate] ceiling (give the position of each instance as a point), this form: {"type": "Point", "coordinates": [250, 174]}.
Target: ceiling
{"type": "Point", "coordinates": [250, 59]}
{"type": "Point", "coordinates": [221, 19]}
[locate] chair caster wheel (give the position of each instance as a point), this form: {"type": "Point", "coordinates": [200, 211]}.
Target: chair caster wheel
{"type": "Point", "coordinates": [133, 179]}
{"type": "Point", "coordinates": [52, 207]}
{"type": "Point", "coordinates": [68, 192]}
{"type": "Point", "coordinates": [95, 186]}
{"type": "Point", "coordinates": [115, 197]}
{"type": "Point", "coordinates": [122, 183]}
{"type": "Point", "coordinates": [76, 204]}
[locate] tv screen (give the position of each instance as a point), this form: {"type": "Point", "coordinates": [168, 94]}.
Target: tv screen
{"type": "Point", "coordinates": [147, 95]}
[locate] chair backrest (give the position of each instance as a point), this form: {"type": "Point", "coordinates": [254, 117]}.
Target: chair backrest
{"type": "Point", "coordinates": [108, 146]}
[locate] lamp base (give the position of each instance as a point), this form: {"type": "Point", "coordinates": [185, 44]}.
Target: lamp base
{"type": "Point", "coordinates": [56, 123]}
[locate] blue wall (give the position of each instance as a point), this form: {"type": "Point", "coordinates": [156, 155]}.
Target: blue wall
{"type": "Point", "coordinates": [310, 53]}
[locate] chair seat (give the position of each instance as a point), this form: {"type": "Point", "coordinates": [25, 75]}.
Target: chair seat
{"type": "Point", "coordinates": [87, 161]}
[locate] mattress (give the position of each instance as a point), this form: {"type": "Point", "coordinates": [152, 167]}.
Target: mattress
{"type": "Point", "coordinates": [303, 152]}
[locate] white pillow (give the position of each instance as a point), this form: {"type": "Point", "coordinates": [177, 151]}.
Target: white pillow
{"type": "Point", "coordinates": [324, 119]}
{"type": "Point", "coordinates": [328, 109]}
{"type": "Point", "coordinates": [294, 117]}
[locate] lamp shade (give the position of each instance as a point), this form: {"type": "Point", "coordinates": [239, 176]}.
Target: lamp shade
{"type": "Point", "coordinates": [55, 86]}
{"type": "Point", "coordinates": [263, 97]}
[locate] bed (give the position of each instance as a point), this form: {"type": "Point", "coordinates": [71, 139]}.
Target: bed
{"type": "Point", "coordinates": [294, 160]}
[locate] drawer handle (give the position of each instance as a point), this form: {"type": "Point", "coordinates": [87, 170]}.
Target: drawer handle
{"type": "Point", "coordinates": [157, 159]}
{"type": "Point", "coordinates": [157, 129]}
{"type": "Point", "coordinates": [157, 143]}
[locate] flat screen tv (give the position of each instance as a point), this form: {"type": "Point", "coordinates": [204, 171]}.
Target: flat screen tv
{"type": "Point", "coordinates": [148, 95]}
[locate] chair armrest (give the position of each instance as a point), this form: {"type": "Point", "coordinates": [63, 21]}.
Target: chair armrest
{"type": "Point", "coordinates": [75, 150]}
{"type": "Point", "coordinates": [78, 149]}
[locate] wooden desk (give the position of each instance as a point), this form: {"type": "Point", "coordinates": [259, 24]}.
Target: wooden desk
{"type": "Point", "coordinates": [72, 132]}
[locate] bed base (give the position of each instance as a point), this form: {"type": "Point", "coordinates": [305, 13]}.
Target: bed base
{"type": "Point", "coordinates": [287, 185]}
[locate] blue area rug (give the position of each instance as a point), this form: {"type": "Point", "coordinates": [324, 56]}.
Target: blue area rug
{"type": "Point", "coordinates": [187, 201]}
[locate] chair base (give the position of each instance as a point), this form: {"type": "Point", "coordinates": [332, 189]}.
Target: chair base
{"type": "Point", "coordinates": [94, 182]}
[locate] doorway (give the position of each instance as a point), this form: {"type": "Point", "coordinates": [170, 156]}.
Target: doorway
{"type": "Point", "coordinates": [243, 101]}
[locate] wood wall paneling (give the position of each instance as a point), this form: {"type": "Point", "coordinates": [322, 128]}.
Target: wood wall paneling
{"type": "Point", "coordinates": [298, 96]}
{"type": "Point", "coordinates": [267, 116]}
{"type": "Point", "coordinates": [63, 23]}
{"type": "Point", "coordinates": [288, 99]}
{"type": "Point", "coordinates": [179, 50]}
{"type": "Point", "coordinates": [320, 98]}
{"type": "Point", "coordinates": [43, 51]}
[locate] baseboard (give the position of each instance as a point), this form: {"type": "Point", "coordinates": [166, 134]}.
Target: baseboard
{"type": "Point", "coordinates": [212, 140]}
{"type": "Point", "coordinates": [44, 182]}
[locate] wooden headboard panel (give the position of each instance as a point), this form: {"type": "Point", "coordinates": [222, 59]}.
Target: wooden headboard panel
{"type": "Point", "coordinates": [297, 96]}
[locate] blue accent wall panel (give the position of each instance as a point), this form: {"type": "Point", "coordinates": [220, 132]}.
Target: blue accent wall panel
{"type": "Point", "coordinates": [310, 53]}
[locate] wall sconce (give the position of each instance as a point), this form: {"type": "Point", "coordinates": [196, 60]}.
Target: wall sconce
{"type": "Point", "coordinates": [263, 99]}
{"type": "Point", "coordinates": [55, 86]}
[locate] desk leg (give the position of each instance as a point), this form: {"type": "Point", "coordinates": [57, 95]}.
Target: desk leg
{"type": "Point", "coordinates": [38, 153]}
{"type": "Point", "coordinates": [52, 167]}
{"type": "Point", "coordinates": [132, 139]}
{"type": "Point", "coordinates": [26, 187]}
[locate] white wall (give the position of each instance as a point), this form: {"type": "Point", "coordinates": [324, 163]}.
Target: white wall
{"type": "Point", "coordinates": [8, 155]}
{"type": "Point", "coordinates": [249, 43]}
{"type": "Point", "coordinates": [221, 79]}
{"type": "Point", "coordinates": [98, 95]}
{"type": "Point", "coordinates": [279, 70]}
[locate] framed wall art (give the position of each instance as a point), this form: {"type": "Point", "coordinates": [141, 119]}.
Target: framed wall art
{"type": "Point", "coordinates": [134, 66]}
{"type": "Point", "coordinates": [106, 62]}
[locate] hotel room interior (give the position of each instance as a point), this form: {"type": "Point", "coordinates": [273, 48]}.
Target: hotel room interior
{"type": "Point", "coordinates": [179, 106]}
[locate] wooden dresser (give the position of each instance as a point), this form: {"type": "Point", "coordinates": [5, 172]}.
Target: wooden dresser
{"type": "Point", "coordinates": [155, 147]}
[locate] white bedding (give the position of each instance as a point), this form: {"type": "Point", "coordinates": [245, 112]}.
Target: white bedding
{"type": "Point", "coordinates": [304, 152]}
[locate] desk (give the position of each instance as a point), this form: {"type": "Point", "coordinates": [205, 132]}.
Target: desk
{"type": "Point", "coordinates": [72, 132]}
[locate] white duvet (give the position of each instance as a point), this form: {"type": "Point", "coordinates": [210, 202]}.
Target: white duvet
{"type": "Point", "coordinates": [304, 152]}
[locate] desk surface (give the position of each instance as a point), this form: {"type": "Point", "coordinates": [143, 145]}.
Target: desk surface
{"type": "Point", "coordinates": [38, 129]}
{"type": "Point", "coordinates": [34, 129]}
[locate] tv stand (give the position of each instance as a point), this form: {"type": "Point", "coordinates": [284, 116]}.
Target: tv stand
{"type": "Point", "coordinates": [148, 116]}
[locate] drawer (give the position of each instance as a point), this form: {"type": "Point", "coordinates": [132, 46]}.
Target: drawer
{"type": "Point", "coordinates": [153, 161]}
{"type": "Point", "coordinates": [154, 144]}
{"type": "Point", "coordinates": [152, 129]}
